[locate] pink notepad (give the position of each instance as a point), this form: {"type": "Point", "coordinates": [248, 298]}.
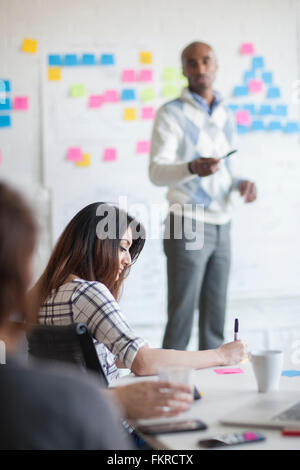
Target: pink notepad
{"type": "Point", "coordinates": [236, 370]}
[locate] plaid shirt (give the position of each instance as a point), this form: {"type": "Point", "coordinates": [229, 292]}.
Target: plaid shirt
{"type": "Point", "coordinates": [92, 303]}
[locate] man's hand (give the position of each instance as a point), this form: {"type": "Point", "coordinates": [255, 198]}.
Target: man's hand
{"type": "Point", "coordinates": [248, 191]}
{"type": "Point", "coordinates": [204, 166]}
{"type": "Point", "coordinates": [149, 399]}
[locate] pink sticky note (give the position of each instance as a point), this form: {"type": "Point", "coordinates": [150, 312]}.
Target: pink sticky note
{"type": "Point", "coordinates": [110, 96]}
{"type": "Point", "coordinates": [236, 370]}
{"type": "Point", "coordinates": [243, 117]}
{"type": "Point", "coordinates": [143, 146]}
{"type": "Point", "coordinates": [128, 75]}
{"type": "Point", "coordinates": [247, 48]}
{"type": "Point", "coordinates": [110, 155]}
{"type": "Point", "coordinates": [95, 101]}
{"type": "Point", "coordinates": [74, 154]}
{"type": "Point", "coordinates": [148, 113]}
{"type": "Point", "coordinates": [146, 75]}
{"type": "Point", "coordinates": [255, 86]}
{"type": "Point", "coordinates": [20, 103]}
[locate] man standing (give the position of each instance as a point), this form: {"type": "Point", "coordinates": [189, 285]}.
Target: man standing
{"type": "Point", "coordinates": [187, 129]}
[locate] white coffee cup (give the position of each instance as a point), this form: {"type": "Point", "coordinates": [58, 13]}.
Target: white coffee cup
{"type": "Point", "coordinates": [181, 375]}
{"type": "Point", "coordinates": [267, 366]}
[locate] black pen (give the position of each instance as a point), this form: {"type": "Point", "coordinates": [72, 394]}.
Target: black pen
{"type": "Point", "coordinates": [236, 329]}
{"type": "Point", "coordinates": [228, 154]}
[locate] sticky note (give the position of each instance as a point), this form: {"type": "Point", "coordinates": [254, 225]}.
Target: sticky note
{"type": "Point", "coordinates": [147, 113]}
{"type": "Point", "coordinates": [257, 62]}
{"type": "Point", "coordinates": [274, 126]}
{"type": "Point", "coordinates": [146, 57]}
{"type": "Point", "coordinates": [265, 109]}
{"type": "Point", "coordinates": [78, 90]}
{"type": "Point", "coordinates": [243, 117]}
{"type": "Point", "coordinates": [4, 85]}
{"type": "Point", "coordinates": [255, 86]}
{"type": "Point", "coordinates": [74, 154]}
{"type": "Point", "coordinates": [5, 104]}
{"type": "Point", "coordinates": [128, 95]}
{"type": "Point", "coordinates": [29, 45]}
{"type": "Point", "coordinates": [54, 74]}
{"type": "Point", "coordinates": [258, 125]}
{"type": "Point", "coordinates": [273, 92]}
{"type": "Point", "coordinates": [95, 101]}
{"type": "Point", "coordinates": [128, 75]}
{"type": "Point", "coordinates": [54, 60]}
{"type": "Point", "coordinates": [233, 107]}
{"type": "Point", "coordinates": [170, 73]}
{"type": "Point", "coordinates": [249, 75]}
{"type": "Point", "coordinates": [129, 114]}
{"type": "Point", "coordinates": [267, 77]}
{"type": "Point", "coordinates": [247, 48]}
{"type": "Point", "coordinates": [5, 121]}
{"type": "Point", "coordinates": [70, 60]}
{"type": "Point", "coordinates": [107, 59]}
{"type": "Point", "coordinates": [170, 91]}
{"type": "Point", "coordinates": [291, 127]}
{"type": "Point", "coordinates": [86, 160]}
{"type": "Point", "coordinates": [110, 155]}
{"type": "Point", "coordinates": [242, 129]}
{"type": "Point", "coordinates": [146, 75]}
{"type": "Point", "coordinates": [250, 108]}
{"type": "Point", "coordinates": [143, 146]}
{"type": "Point", "coordinates": [235, 370]}
{"type": "Point", "coordinates": [88, 59]}
{"type": "Point", "coordinates": [240, 91]}
{"type": "Point", "coordinates": [148, 94]}
{"type": "Point", "coordinates": [20, 103]}
{"type": "Point", "coordinates": [110, 96]}
{"type": "Point", "coordinates": [280, 110]}
{"type": "Point", "coordinates": [290, 373]}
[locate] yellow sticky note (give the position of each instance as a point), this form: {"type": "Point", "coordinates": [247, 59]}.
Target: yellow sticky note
{"type": "Point", "coordinates": [54, 74]}
{"type": "Point", "coordinates": [86, 160]}
{"type": "Point", "coordinates": [129, 114]}
{"type": "Point", "coordinates": [30, 45]}
{"type": "Point", "coordinates": [146, 57]}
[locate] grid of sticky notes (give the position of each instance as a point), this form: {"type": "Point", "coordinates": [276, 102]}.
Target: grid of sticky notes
{"type": "Point", "coordinates": [10, 103]}
{"type": "Point", "coordinates": [258, 104]}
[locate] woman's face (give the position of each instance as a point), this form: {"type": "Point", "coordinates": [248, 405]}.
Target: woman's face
{"type": "Point", "coordinates": [124, 255]}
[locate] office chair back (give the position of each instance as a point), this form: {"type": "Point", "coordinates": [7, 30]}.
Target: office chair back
{"type": "Point", "coordinates": [67, 343]}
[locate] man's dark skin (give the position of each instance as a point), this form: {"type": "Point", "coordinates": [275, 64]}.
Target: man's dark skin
{"type": "Point", "coordinates": [199, 65]}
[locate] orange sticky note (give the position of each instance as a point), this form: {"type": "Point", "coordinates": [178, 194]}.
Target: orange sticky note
{"type": "Point", "coordinates": [146, 57]}
{"type": "Point", "coordinates": [30, 45]}
{"type": "Point", "coordinates": [54, 74]}
{"type": "Point", "coordinates": [129, 114]}
{"type": "Point", "coordinates": [86, 160]}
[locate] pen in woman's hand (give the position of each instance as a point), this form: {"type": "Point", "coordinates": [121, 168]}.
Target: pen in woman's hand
{"type": "Point", "coordinates": [236, 329]}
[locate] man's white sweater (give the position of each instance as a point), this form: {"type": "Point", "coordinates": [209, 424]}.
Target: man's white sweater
{"type": "Point", "coordinates": [184, 130]}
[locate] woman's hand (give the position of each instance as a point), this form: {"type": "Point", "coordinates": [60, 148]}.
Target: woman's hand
{"type": "Point", "coordinates": [232, 353]}
{"type": "Point", "coordinates": [150, 399]}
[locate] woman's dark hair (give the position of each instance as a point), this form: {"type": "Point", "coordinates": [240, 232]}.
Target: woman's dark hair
{"type": "Point", "coordinates": [89, 248]}
{"type": "Point", "coordinates": [18, 233]}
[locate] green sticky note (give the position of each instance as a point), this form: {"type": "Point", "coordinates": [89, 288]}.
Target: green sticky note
{"type": "Point", "coordinates": [148, 94]}
{"type": "Point", "coordinates": [171, 91]}
{"type": "Point", "coordinates": [78, 90]}
{"type": "Point", "coordinates": [170, 73]}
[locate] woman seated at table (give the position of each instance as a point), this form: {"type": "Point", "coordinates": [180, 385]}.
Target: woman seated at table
{"type": "Point", "coordinates": [82, 283]}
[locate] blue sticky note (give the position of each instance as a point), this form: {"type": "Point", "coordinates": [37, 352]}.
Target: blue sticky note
{"type": "Point", "coordinates": [240, 91]}
{"type": "Point", "coordinates": [267, 77]}
{"type": "Point", "coordinates": [107, 59]}
{"type": "Point", "coordinates": [265, 109]}
{"type": "Point", "coordinates": [273, 92]}
{"type": "Point", "coordinates": [257, 62]}
{"type": "Point", "coordinates": [5, 121]}
{"type": "Point", "coordinates": [280, 110]}
{"type": "Point", "coordinates": [5, 104]}
{"type": "Point", "coordinates": [233, 107]}
{"type": "Point", "coordinates": [258, 126]}
{"type": "Point", "coordinates": [249, 75]}
{"type": "Point", "coordinates": [274, 126]}
{"type": "Point", "coordinates": [290, 373]}
{"type": "Point", "coordinates": [88, 59]}
{"type": "Point", "coordinates": [70, 60]}
{"type": "Point", "coordinates": [250, 108]}
{"type": "Point", "coordinates": [291, 127]}
{"type": "Point", "coordinates": [5, 85]}
{"type": "Point", "coordinates": [54, 60]}
{"type": "Point", "coordinates": [127, 95]}
{"type": "Point", "coordinates": [242, 129]}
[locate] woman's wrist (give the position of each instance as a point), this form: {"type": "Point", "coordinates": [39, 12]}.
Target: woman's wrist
{"type": "Point", "coordinates": [191, 168]}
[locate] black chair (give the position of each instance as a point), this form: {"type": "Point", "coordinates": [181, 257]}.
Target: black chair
{"type": "Point", "coordinates": [67, 343]}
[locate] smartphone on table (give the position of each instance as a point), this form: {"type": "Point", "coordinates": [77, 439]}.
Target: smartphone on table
{"type": "Point", "coordinates": [171, 427]}
{"type": "Point", "coordinates": [231, 439]}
